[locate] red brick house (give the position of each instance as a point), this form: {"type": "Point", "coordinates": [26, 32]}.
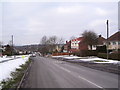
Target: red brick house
{"type": "Point", "coordinates": [67, 46]}
{"type": "Point", "coordinates": [77, 45]}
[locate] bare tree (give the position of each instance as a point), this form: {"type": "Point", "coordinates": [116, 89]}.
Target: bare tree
{"type": "Point", "coordinates": [44, 48]}
{"type": "Point", "coordinates": [72, 37]}
{"type": "Point", "coordinates": [53, 40]}
{"type": "Point", "coordinates": [44, 40]}
{"type": "Point", "coordinates": [90, 38]}
{"type": "Point", "coordinates": [49, 43]}
{"type": "Point", "coordinates": [1, 44]}
{"type": "Point", "coordinates": [61, 40]}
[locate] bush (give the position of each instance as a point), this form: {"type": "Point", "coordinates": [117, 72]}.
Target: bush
{"type": "Point", "coordinates": [114, 56]}
{"type": "Point", "coordinates": [57, 54]}
{"type": "Point", "coordinates": [84, 53]}
{"type": "Point", "coordinates": [101, 49]}
{"type": "Point", "coordinates": [102, 55]}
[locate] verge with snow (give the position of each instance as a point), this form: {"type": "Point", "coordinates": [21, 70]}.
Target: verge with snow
{"type": "Point", "coordinates": [7, 67]}
{"type": "Point", "coordinates": [87, 59]}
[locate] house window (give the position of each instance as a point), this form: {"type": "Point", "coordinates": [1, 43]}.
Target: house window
{"type": "Point", "coordinates": [118, 43]}
{"type": "Point", "coordinates": [114, 43]}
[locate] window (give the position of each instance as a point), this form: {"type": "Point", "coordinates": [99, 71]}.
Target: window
{"type": "Point", "coordinates": [114, 43]}
{"type": "Point", "coordinates": [118, 43]}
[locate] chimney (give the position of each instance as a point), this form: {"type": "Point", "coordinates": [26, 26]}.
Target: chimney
{"type": "Point", "coordinates": [66, 42]}
{"type": "Point", "coordinates": [100, 36]}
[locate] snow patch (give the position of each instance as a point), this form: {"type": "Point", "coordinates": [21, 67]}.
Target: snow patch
{"type": "Point", "coordinates": [7, 67]}
{"type": "Point", "coordinates": [86, 59]}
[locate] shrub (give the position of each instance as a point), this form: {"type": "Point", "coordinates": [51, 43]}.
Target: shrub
{"type": "Point", "coordinates": [114, 56]}
{"type": "Point", "coordinates": [84, 53]}
{"type": "Point", "coordinates": [57, 54]}
{"type": "Point", "coordinates": [101, 49]}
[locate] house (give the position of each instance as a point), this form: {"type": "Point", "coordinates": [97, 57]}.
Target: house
{"type": "Point", "coordinates": [58, 47]}
{"type": "Point", "coordinates": [1, 50]}
{"type": "Point", "coordinates": [100, 42]}
{"type": "Point", "coordinates": [67, 46]}
{"type": "Point", "coordinates": [77, 45]}
{"type": "Point", "coordinates": [113, 42]}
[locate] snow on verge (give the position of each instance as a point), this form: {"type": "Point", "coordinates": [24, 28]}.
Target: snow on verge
{"type": "Point", "coordinates": [87, 59]}
{"type": "Point", "coordinates": [7, 67]}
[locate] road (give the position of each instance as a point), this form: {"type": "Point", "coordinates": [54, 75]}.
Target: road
{"type": "Point", "coordinates": [51, 73]}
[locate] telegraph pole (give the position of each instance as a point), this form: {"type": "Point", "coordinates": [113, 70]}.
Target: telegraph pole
{"type": "Point", "coordinates": [107, 38]}
{"type": "Point", "coordinates": [12, 44]}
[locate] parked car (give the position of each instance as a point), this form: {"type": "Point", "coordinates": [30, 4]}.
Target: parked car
{"type": "Point", "coordinates": [33, 55]}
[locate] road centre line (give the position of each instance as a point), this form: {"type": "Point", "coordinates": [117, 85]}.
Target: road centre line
{"type": "Point", "coordinates": [89, 82]}
{"type": "Point", "coordinates": [80, 77]}
{"type": "Point", "coordinates": [63, 68]}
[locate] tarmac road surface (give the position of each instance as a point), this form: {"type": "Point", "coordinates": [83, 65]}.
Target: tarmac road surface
{"type": "Point", "coordinates": [52, 73]}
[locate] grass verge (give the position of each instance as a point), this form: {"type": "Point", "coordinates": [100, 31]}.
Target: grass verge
{"type": "Point", "coordinates": [16, 77]}
{"type": "Point", "coordinates": [100, 61]}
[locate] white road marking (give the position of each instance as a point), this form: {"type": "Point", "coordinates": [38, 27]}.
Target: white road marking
{"type": "Point", "coordinates": [63, 68]}
{"type": "Point", "coordinates": [89, 82]}
{"type": "Point", "coordinates": [79, 76]}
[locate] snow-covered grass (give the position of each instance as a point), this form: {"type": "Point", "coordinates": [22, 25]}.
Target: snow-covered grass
{"type": "Point", "coordinates": [72, 57]}
{"type": "Point", "coordinates": [4, 58]}
{"type": "Point", "coordinates": [67, 57]}
{"type": "Point", "coordinates": [59, 56]}
{"type": "Point", "coordinates": [100, 60]}
{"type": "Point", "coordinates": [87, 59]}
{"type": "Point", "coordinates": [7, 67]}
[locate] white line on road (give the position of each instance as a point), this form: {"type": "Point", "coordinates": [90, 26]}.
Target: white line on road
{"type": "Point", "coordinates": [89, 82]}
{"type": "Point", "coordinates": [63, 68]}
{"type": "Point", "coordinates": [80, 77]}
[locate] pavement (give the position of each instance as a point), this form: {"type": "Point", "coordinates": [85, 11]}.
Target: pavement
{"type": "Point", "coordinates": [52, 73]}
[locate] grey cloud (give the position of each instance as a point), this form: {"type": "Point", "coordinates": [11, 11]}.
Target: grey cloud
{"type": "Point", "coordinates": [28, 22]}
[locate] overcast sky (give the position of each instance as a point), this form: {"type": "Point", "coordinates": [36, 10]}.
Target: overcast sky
{"type": "Point", "coordinates": [29, 21]}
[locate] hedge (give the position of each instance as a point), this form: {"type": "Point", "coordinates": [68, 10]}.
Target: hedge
{"type": "Point", "coordinates": [114, 56]}
{"type": "Point", "coordinates": [84, 53]}
{"type": "Point", "coordinates": [57, 54]}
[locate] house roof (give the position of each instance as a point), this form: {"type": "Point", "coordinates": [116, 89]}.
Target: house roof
{"type": "Point", "coordinates": [67, 42]}
{"type": "Point", "coordinates": [115, 37]}
{"type": "Point", "coordinates": [77, 39]}
{"type": "Point", "coordinates": [101, 40]}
